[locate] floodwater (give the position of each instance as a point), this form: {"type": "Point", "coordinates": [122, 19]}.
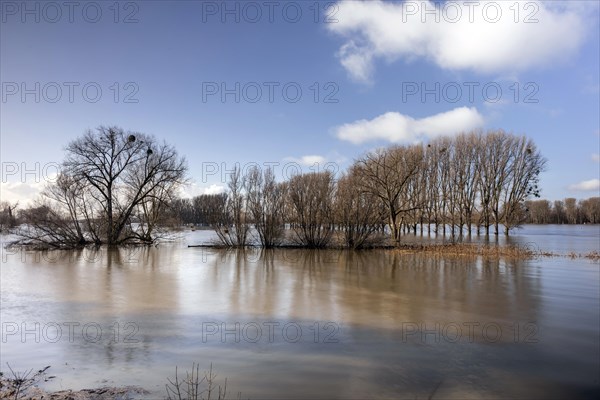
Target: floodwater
{"type": "Point", "coordinates": [311, 324]}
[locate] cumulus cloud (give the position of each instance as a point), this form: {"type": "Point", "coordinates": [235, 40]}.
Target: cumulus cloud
{"type": "Point", "coordinates": [399, 128]}
{"type": "Point", "coordinates": [463, 38]}
{"type": "Point", "coordinates": [308, 161]}
{"type": "Point", "coordinates": [587, 186]}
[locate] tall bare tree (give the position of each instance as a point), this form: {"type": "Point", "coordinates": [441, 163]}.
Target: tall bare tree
{"type": "Point", "coordinates": [460, 182]}
{"type": "Point", "coordinates": [525, 165]}
{"type": "Point", "coordinates": [493, 161]}
{"type": "Point", "coordinates": [388, 174]}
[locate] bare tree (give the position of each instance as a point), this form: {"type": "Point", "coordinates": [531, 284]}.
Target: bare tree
{"type": "Point", "coordinates": [152, 214]}
{"type": "Point", "coordinates": [266, 203]}
{"type": "Point", "coordinates": [438, 187]}
{"type": "Point", "coordinates": [494, 158]}
{"type": "Point", "coordinates": [526, 164]}
{"type": "Point", "coordinates": [124, 173]}
{"type": "Point", "coordinates": [571, 210]}
{"type": "Point", "coordinates": [232, 223]}
{"type": "Point", "coordinates": [430, 176]}
{"type": "Point", "coordinates": [454, 177]}
{"type": "Point", "coordinates": [591, 209]}
{"type": "Point", "coordinates": [58, 218]}
{"type": "Point", "coordinates": [109, 179]}
{"type": "Point", "coordinates": [311, 208]}
{"type": "Point", "coordinates": [468, 146]}
{"type": "Point", "coordinates": [358, 213]}
{"type": "Point", "coordinates": [388, 174]}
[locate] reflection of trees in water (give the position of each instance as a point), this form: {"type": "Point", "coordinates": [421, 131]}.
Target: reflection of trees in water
{"type": "Point", "coordinates": [385, 290]}
{"type": "Point", "coordinates": [375, 286]}
{"type": "Point", "coordinates": [136, 278]}
{"type": "Point", "coordinates": [361, 285]}
{"type": "Point", "coordinates": [414, 286]}
{"type": "Point", "coordinates": [236, 279]}
{"type": "Point", "coordinates": [93, 295]}
{"type": "Point", "coordinates": [118, 278]}
{"type": "Point", "coordinates": [276, 281]}
{"type": "Point", "coordinates": [369, 293]}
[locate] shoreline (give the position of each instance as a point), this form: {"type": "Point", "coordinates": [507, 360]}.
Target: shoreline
{"type": "Point", "coordinates": [26, 388]}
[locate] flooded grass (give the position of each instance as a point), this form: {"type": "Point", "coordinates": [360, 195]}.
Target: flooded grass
{"type": "Point", "coordinates": [471, 250]}
{"type": "Point", "coordinates": [490, 251]}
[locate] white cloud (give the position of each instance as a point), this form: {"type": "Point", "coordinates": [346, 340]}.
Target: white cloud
{"type": "Point", "coordinates": [399, 128]}
{"type": "Point", "coordinates": [214, 189]}
{"type": "Point", "coordinates": [596, 157]}
{"type": "Point", "coordinates": [21, 192]}
{"type": "Point", "coordinates": [356, 61]}
{"type": "Point", "coordinates": [587, 186]}
{"type": "Point", "coordinates": [402, 30]}
{"type": "Point", "coordinates": [308, 161]}
{"type": "Point", "coordinates": [194, 190]}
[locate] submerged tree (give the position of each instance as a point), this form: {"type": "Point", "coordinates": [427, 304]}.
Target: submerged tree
{"type": "Point", "coordinates": [266, 204]}
{"type": "Point", "coordinates": [311, 198]}
{"type": "Point", "coordinates": [232, 220]}
{"type": "Point", "coordinates": [358, 213]}
{"type": "Point", "coordinates": [109, 180]}
{"type": "Point", "coordinates": [525, 165]}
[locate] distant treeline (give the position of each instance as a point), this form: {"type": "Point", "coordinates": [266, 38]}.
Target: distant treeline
{"type": "Point", "coordinates": [473, 182]}
{"type": "Point", "coordinates": [567, 211]}
{"type": "Point", "coordinates": [8, 219]}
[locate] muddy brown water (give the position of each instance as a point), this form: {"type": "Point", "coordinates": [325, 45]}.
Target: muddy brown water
{"type": "Point", "coordinates": [310, 324]}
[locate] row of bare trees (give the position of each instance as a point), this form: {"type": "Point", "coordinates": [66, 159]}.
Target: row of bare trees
{"type": "Point", "coordinates": [471, 182]}
{"type": "Point", "coordinates": [567, 211]}
{"type": "Point", "coordinates": [256, 201]}
{"type": "Point", "coordinates": [118, 187]}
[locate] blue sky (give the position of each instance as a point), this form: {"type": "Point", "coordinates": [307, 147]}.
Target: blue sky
{"type": "Point", "coordinates": [362, 68]}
